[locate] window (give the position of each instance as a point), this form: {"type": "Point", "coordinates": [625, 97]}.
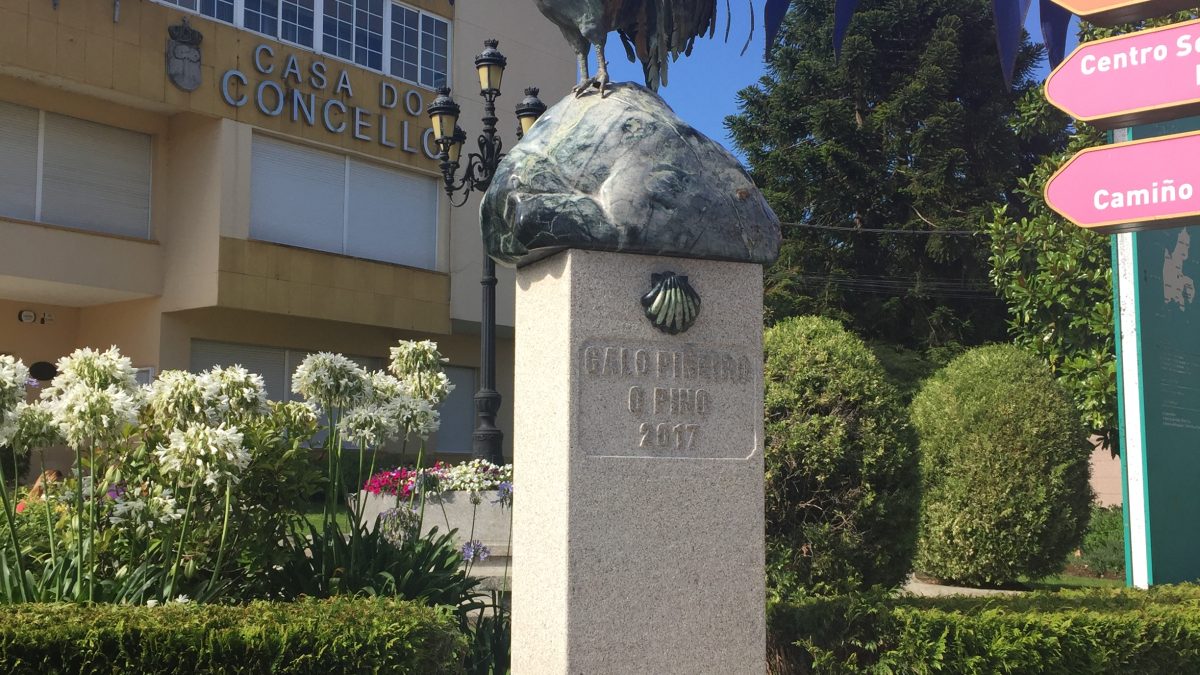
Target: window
{"type": "Point", "coordinates": [328, 202]}
{"type": "Point", "coordinates": [368, 33]}
{"type": "Point", "coordinates": [262, 16]}
{"type": "Point", "coordinates": [71, 172]}
{"type": "Point", "coordinates": [296, 23]}
{"type": "Point", "coordinates": [18, 161]}
{"type": "Point", "coordinates": [339, 28]}
{"type": "Point", "coordinates": [354, 31]}
{"type": "Point", "coordinates": [222, 10]}
{"type": "Point", "coordinates": [420, 47]}
{"type": "Point", "coordinates": [458, 412]}
{"type": "Point", "coordinates": [378, 34]}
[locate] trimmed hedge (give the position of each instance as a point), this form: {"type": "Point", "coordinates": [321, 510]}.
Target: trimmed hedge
{"type": "Point", "coordinates": [1086, 631]}
{"type": "Point", "coordinates": [343, 635]}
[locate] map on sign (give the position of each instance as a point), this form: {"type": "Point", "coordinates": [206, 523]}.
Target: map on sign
{"type": "Point", "coordinates": [1178, 288]}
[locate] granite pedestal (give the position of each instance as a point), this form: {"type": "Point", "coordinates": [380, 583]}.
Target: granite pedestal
{"type": "Point", "coordinates": [638, 510]}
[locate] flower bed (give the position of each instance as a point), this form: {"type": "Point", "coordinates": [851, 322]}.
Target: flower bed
{"type": "Point", "coordinates": [473, 498]}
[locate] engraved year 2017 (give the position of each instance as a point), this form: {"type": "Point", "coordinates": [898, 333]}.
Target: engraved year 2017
{"type": "Point", "coordinates": [667, 435]}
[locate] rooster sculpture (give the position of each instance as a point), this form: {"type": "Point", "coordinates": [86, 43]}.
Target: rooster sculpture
{"type": "Point", "coordinates": [654, 32]}
{"type": "Point", "coordinates": [657, 32]}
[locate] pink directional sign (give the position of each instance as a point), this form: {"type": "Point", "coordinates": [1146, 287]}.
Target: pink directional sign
{"type": "Point", "coordinates": [1130, 186]}
{"type": "Point", "coordinates": [1143, 77]}
{"type": "Point", "coordinates": [1113, 12]}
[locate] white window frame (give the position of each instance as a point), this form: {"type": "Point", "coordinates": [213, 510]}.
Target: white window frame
{"type": "Point", "coordinates": [239, 20]}
{"type": "Point", "coordinates": [421, 14]}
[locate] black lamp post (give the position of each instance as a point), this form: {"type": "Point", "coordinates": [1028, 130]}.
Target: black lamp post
{"type": "Point", "coordinates": [487, 440]}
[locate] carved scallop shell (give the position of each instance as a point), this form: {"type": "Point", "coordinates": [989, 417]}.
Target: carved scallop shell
{"type": "Point", "coordinates": [672, 305]}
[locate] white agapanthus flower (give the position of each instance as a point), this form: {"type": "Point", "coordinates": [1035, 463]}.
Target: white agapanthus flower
{"type": "Point", "coordinates": [157, 509]}
{"type": "Point", "coordinates": [370, 426]}
{"type": "Point", "coordinates": [433, 387]}
{"type": "Point", "coordinates": [233, 394]}
{"type": "Point", "coordinates": [85, 414]}
{"type": "Point", "coordinates": [411, 357]}
{"type": "Point", "coordinates": [93, 369]}
{"type": "Point", "coordinates": [14, 377]}
{"type": "Point", "coordinates": [418, 365]}
{"type": "Point", "coordinates": [33, 427]}
{"type": "Point", "coordinates": [331, 381]}
{"type": "Point", "coordinates": [215, 454]}
{"type": "Point", "coordinates": [385, 387]}
{"type": "Point", "coordinates": [176, 398]}
{"type": "Point", "coordinates": [416, 417]}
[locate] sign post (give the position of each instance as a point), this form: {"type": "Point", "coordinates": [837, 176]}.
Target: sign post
{"type": "Point", "coordinates": [1143, 189]}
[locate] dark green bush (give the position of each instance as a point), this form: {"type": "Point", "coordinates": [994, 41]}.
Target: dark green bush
{"type": "Point", "coordinates": [345, 635]}
{"type": "Point", "coordinates": [842, 481]}
{"type": "Point", "coordinates": [1103, 549]}
{"type": "Point", "coordinates": [1087, 631]}
{"type": "Point", "coordinates": [1004, 462]}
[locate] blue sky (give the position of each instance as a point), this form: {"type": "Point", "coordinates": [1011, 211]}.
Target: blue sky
{"type": "Point", "coordinates": [703, 88]}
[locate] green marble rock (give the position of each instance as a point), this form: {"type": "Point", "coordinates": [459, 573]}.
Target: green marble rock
{"type": "Point", "coordinates": [623, 173]}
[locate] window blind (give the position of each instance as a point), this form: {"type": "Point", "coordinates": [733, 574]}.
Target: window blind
{"type": "Point", "coordinates": [95, 177]}
{"type": "Point", "coordinates": [18, 161]}
{"type": "Point", "coordinates": [299, 195]}
{"type": "Point", "coordinates": [266, 361]}
{"type": "Point", "coordinates": [392, 216]}
{"type": "Point", "coordinates": [458, 413]}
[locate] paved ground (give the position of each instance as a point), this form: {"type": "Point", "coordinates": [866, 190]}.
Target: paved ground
{"type": "Point", "coordinates": [918, 587]}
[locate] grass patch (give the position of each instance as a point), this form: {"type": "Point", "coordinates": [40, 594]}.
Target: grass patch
{"type": "Point", "coordinates": [1059, 582]}
{"type": "Point", "coordinates": [314, 514]}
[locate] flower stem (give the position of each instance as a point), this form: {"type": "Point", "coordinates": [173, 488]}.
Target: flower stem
{"type": "Point", "coordinates": [92, 523]}
{"type": "Point", "coordinates": [10, 516]}
{"type": "Point", "coordinates": [187, 516]}
{"type": "Point", "coordinates": [78, 518]}
{"type": "Point", "coordinates": [224, 534]}
{"type": "Point", "coordinates": [46, 498]}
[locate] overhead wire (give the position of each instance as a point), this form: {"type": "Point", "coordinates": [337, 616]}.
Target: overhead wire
{"type": "Point", "coordinates": [883, 230]}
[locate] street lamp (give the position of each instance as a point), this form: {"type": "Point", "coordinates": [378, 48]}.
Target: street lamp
{"type": "Point", "coordinates": [487, 440]}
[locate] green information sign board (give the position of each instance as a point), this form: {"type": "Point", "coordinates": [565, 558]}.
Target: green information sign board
{"type": "Point", "coordinates": [1155, 283]}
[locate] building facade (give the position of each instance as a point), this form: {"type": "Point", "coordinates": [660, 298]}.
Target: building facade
{"type": "Point", "coordinates": [205, 182]}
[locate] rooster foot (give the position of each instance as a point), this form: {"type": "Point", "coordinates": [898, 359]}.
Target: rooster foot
{"type": "Point", "coordinates": [591, 83]}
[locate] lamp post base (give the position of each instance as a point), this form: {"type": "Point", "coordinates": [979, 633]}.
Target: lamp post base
{"type": "Point", "coordinates": [487, 441]}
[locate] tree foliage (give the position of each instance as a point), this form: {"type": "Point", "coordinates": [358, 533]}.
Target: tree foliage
{"type": "Point", "coordinates": [1056, 278]}
{"type": "Point", "coordinates": [912, 131]}
{"type": "Point", "coordinates": [842, 486]}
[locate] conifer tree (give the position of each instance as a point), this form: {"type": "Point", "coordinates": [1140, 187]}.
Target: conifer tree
{"type": "Point", "coordinates": [885, 162]}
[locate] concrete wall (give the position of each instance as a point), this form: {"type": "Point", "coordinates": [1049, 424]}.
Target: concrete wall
{"type": "Point", "coordinates": [1106, 477]}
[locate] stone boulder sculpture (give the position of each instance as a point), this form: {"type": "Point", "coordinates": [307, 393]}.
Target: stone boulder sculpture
{"type": "Point", "coordinates": [623, 173]}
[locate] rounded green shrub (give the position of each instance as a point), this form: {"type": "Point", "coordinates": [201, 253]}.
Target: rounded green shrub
{"type": "Point", "coordinates": [1103, 548]}
{"type": "Point", "coordinates": [1004, 464]}
{"type": "Point", "coordinates": [842, 480]}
